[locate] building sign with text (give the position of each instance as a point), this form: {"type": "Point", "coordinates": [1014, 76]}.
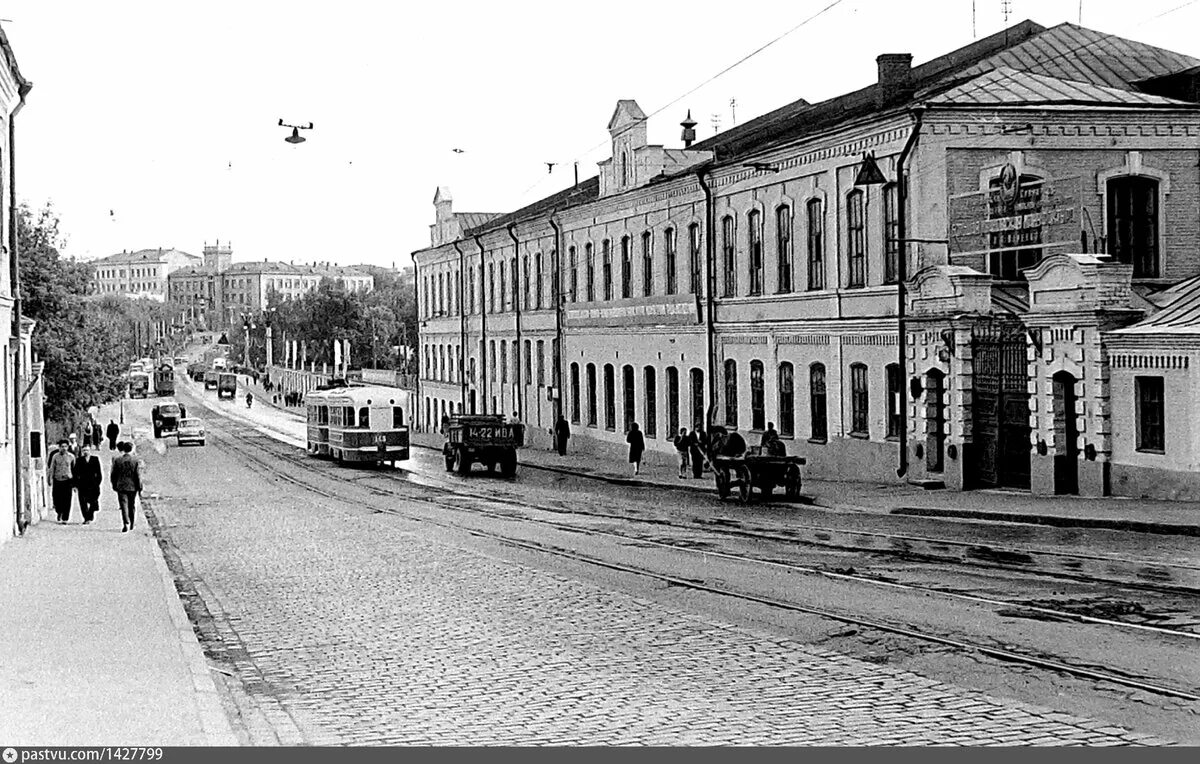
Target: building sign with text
{"type": "Point", "coordinates": [1045, 213]}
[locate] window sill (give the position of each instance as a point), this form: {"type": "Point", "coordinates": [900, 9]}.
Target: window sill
{"type": "Point", "coordinates": [861, 435]}
{"type": "Point", "coordinates": [818, 441]}
{"type": "Point", "coordinates": [1158, 451]}
{"type": "Point", "coordinates": [892, 438]}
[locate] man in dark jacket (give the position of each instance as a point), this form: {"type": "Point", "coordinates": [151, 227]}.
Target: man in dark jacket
{"type": "Point", "coordinates": [126, 480]}
{"type": "Point", "coordinates": [562, 433]}
{"type": "Point", "coordinates": [85, 472]}
{"type": "Point", "coordinates": [112, 431]}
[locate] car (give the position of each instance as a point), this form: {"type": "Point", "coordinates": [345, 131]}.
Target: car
{"type": "Point", "coordinates": [191, 430]}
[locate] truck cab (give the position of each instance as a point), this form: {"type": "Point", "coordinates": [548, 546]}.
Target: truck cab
{"type": "Point", "coordinates": [166, 418]}
{"type": "Point", "coordinates": [484, 438]}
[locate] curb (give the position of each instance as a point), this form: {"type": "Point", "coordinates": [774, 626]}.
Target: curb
{"type": "Point", "coordinates": [1057, 521]}
{"type": "Point", "coordinates": [213, 721]}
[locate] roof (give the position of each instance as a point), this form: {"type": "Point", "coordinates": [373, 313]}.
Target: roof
{"type": "Point", "coordinates": [23, 85]}
{"type": "Point", "coordinates": [1181, 316]}
{"type": "Point", "coordinates": [156, 254]}
{"type": "Point", "coordinates": [581, 193]}
{"type": "Point", "coordinates": [1010, 299]}
{"type": "Point", "coordinates": [469, 220]}
{"type": "Point", "coordinates": [1005, 86]}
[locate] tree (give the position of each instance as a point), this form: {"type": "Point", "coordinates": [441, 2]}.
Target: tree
{"type": "Point", "coordinates": [84, 348]}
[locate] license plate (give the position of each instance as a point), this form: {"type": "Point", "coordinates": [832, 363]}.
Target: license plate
{"type": "Point", "coordinates": [381, 439]}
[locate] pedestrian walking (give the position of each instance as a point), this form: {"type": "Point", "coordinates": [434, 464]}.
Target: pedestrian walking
{"type": "Point", "coordinates": [562, 433]}
{"type": "Point", "coordinates": [85, 471]}
{"type": "Point", "coordinates": [637, 445]}
{"type": "Point", "coordinates": [58, 474]}
{"type": "Point", "coordinates": [697, 445]}
{"type": "Point", "coordinates": [97, 434]}
{"type": "Point", "coordinates": [126, 478]}
{"type": "Point", "coordinates": [73, 444]}
{"type": "Point", "coordinates": [112, 431]}
{"type": "Point", "coordinates": [682, 448]}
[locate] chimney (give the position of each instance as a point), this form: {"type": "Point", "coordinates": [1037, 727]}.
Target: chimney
{"type": "Point", "coordinates": [895, 78]}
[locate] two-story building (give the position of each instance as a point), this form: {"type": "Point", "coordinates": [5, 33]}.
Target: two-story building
{"type": "Point", "coordinates": [878, 274]}
{"type": "Point", "coordinates": [142, 273]}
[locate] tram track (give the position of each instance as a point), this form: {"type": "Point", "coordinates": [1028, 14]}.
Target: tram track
{"type": "Point", "coordinates": [251, 447]}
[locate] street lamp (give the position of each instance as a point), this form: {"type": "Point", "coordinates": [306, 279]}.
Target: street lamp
{"type": "Point", "coordinates": [295, 137]}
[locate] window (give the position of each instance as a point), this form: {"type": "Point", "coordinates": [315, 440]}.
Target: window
{"type": "Point", "coordinates": [626, 267]}
{"type": "Point", "coordinates": [471, 292]}
{"type": "Point", "coordinates": [856, 240]}
{"type": "Point", "coordinates": [364, 417]}
{"type": "Point", "coordinates": [1151, 435]}
{"type": "Point", "coordinates": [758, 411]}
{"type": "Point", "coordinates": [513, 263]}
{"type": "Point", "coordinates": [895, 422]}
{"type": "Point", "coordinates": [591, 271]}
{"type": "Point", "coordinates": [606, 259]}
{"type": "Point", "coordinates": [537, 281]}
{"type": "Point", "coordinates": [816, 244]}
{"type": "Point", "coordinates": [524, 282]}
{"type": "Point", "coordinates": [575, 393]}
{"type": "Point", "coordinates": [528, 362]}
{"type": "Point", "coordinates": [672, 401]}
{"type": "Point", "coordinates": [541, 362]}
{"type": "Point", "coordinates": [1133, 223]}
{"type": "Point", "coordinates": [647, 264]}
{"type": "Point", "coordinates": [787, 401]}
{"type": "Point", "coordinates": [859, 402]}
{"type": "Point", "coordinates": [629, 399]}
{"type": "Point", "coordinates": [783, 247]}
{"type": "Point", "coordinates": [573, 274]}
{"type": "Point", "coordinates": [694, 258]}
{"type": "Point", "coordinates": [491, 287]}
{"type": "Point", "coordinates": [650, 406]}
{"type": "Point", "coordinates": [669, 255]}
{"type": "Point", "coordinates": [728, 257]}
{"type": "Point", "coordinates": [591, 390]}
{"type": "Point", "coordinates": [503, 362]}
{"type": "Point", "coordinates": [754, 221]}
{"type": "Point", "coordinates": [1004, 263]}
{"type": "Point", "coordinates": [731, 402]}
{"type": "Point", "coordinates": [610, 398]}
{"type": "Point", "coordinates": [816, 399]}
{"type": "Point", "coordinates": [503, 290]}
{"type": "Point", "coordinates": [698, 416]}
{"type": "Point", "coordinates": [891, 234]}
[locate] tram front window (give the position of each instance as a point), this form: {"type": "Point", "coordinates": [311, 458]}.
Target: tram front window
{"type": "Point", "coordinates": [364, 418]}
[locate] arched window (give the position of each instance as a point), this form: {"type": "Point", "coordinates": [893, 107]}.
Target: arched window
{"type": "Point", "coordinates": [575, 393]}
{"type": "Point", "coordinates": [541, 362]}
{"type": "Point", "coordinates": [856, 240]}
{"type": "Point", "coordinates": [672, 401]}
{"type": "Point", "coordinates": [606, 260]}
{"type": "Point", "coordinates": [503, 289]}
{"type": "Point", "coordinates": [503, 362]}
{"type": "Point", "coordinates": [590, 257]}
{"type": "Point", "coordinates": [537, 281]}
{"type": "Point", "coordinates": [697, 385]}
{"type": "Point", "coordinates": [573, 274]}
{"type": "Point", "coordinates": [647, 264]}
{"type": "Point", "coordinates": [787, 400]}
{"type": "Point", "coordinates": [754, 223]}
{"type": "Point", "coordinates": [524, 282]}
{"type": "Point", "coordinates": [513, 265]}
{"type": "Point", "coordinates": [895, 421]}
{"type": "Point", "coordinates": [891, 234]}
{"type": "Point", "coordinates": [610, 398]}
{"type": "Point", "coordinates": [728, 257]}
{"type": "Point", "coordinates": [629, 396]}
{"type": "Point", "coordinates": [816, 400]}
{"type": "Point", "coordinates": [731, 401]}
{"type": "Point", "coordinates": [694, 258]}
{"type": "Point", "coordinates": [859, 400]}
{"type": "Point", "coordinates": [528, 362]}
{"type": "Point", "coordinates": [624, 168]}
{"type": "Point", "coordinates": [783, 249]}
{"type": "Point", "coordinates": [1133, 223]}
{"type": "Point", "coordinates": [491, 269]}
{"type": "Point", "coordinates": [672, 285]}
{"type": "Point", "coordinates": [591, 392]}
{"type": "Point", "coordinates": [626, 267]}
{"type": "Point", "coordinates": [758, 410]}
{"type": "Point", "coordinates": [650, 408]}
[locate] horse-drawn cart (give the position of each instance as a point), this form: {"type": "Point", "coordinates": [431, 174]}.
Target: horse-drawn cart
{"type": "Point", "coordinates": [739, 468]}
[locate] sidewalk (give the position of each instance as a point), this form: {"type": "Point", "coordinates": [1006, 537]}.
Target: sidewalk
{"type": "Point", "coordinates": [97, 647]}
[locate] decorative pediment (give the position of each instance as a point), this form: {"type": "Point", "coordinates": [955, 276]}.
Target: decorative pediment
{"type": "Point", "coordinates": [1075, 282]}
{"type": "Point", "coordinates": [949, 290]}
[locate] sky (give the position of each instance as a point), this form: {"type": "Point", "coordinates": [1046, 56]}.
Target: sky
{"type": "Point", "coordinates": [155, 124]}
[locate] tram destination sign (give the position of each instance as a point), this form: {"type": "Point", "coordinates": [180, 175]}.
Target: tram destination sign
{"type": "Point", "coordinates": [1051, 206]}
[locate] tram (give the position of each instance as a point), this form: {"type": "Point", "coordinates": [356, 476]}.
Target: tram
{"type": "Point", "coordinates": [356, 424]}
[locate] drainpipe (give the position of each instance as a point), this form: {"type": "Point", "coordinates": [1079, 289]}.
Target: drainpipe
{"type": "Point", "coordinates": [483, 357]}
{"type": "Point", "coordinates": [420, 356]}
{"type": "Point", "coordinates": [516, 293]}
{"type": "Point", "coordinates": [710, 254]}
{"type": "Point", "coordinates": [559, 309]}
{"type": "Point", "coordinates": [918, 113]}
{"type": "Point", "coordinates": [23, 520]}
{"type": "Point", "coordinates": [462, 328]}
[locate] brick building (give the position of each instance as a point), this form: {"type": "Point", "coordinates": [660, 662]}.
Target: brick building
{"type": "Point", "coordinates": [895, 277]}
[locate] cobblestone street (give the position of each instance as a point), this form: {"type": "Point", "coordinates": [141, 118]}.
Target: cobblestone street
{"type": "Point", "coordinates": [341, 626]}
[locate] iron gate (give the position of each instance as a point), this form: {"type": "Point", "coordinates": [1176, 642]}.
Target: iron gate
{"type": "Point", "coordinates": [1001, 407]}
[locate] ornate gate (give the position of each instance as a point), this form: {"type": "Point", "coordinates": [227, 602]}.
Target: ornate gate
{"type": "Point", "coordinates": [1001, 407]}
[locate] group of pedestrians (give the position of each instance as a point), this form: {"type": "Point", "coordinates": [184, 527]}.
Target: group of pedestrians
{"type": "Point", "coordinates": [691, 447]}
{"type": "Point", "coordinates": [73, 469]}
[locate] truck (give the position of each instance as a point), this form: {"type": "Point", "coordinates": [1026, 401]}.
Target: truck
{"type": "Point", "coordinates": [226, 385]}
{"type": "Point", "coordinates": [164, 380]}
{"type": "Point", "coordinates": [212, 378]}
{"type": "Point", "coordinates": [484, 438]}
{"type": "Point", "coordinates": [166, 418]}
{"type": "Point", "coordinates": [139, 384]}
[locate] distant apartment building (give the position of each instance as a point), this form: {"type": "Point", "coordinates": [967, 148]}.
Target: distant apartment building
{"type": "Point", "coordinates": [142, 273]}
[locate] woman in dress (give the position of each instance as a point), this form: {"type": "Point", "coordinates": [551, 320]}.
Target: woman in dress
{"type": "Point", "coordinates": [637, 444]}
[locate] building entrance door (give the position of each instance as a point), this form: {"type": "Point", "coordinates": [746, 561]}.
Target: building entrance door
{"type": "Point", "coordinates": [1001, 408]}
{"type": "Point", "coordinates": [1066, 435]}
{"type": "Point", "coordinates": [935, 420]}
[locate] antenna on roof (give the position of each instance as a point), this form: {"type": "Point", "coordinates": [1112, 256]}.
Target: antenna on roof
{"type": "Point", "coordinates": [733, 111]}
{"type": "Point", "coordinates": [715, 119]}
{"type": "Point", "coordinates": [1006, 9]}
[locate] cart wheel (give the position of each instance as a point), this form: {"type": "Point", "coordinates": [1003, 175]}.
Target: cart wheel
{"type": "Point", "coordinates": [744, 484]}
{"type": "Point", "coordinates": [461, 464]}
{"type": "Point", "coordinates": [793, 482]}
{"type": "Point", "coordinates": [722, 476]}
